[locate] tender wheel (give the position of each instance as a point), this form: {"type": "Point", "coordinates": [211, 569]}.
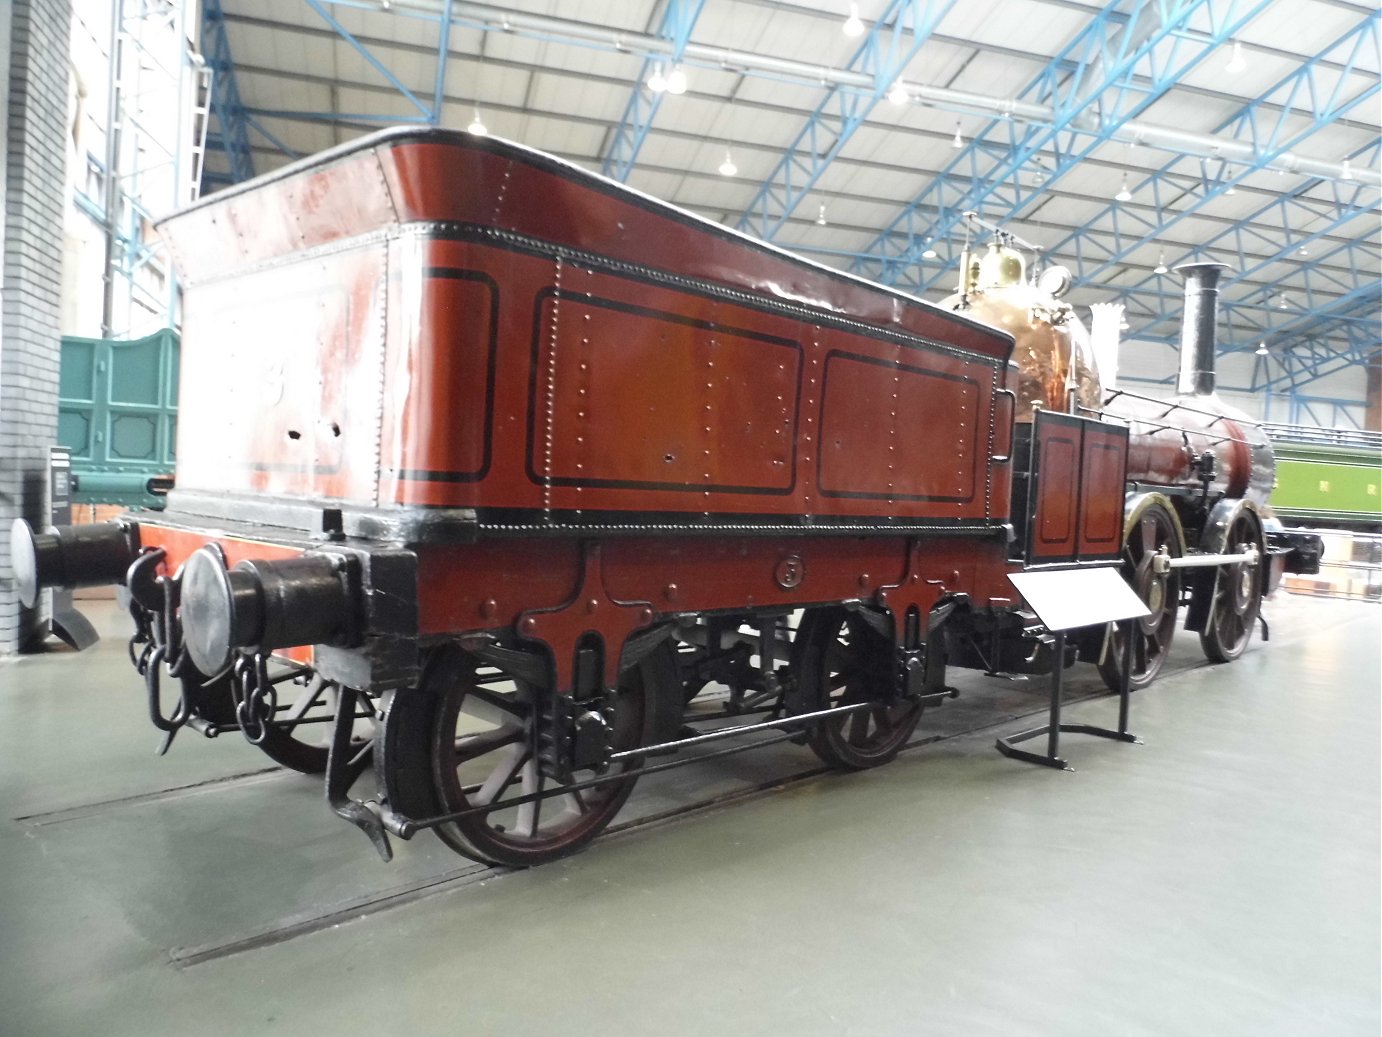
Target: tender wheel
{"type": "Point", "coordinates": [478, 725]}
{"type": "Point", "coordinates": [842, 661]}
{"type": "Point", "coordinates": [299, 734]}
{"type": "Point", "coordinates": [1151, 527]}
{"type": "Point", "coordinates": [1237, 595]}
{"type": "Point", "coordinates": [300, 746]}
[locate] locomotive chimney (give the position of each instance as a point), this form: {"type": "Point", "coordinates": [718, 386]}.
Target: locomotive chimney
{"type": "Point", "coordinates": [1197, 327]}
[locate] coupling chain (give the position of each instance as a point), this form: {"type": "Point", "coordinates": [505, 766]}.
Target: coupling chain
{"type": "Point", "coordinates": [256, 697]}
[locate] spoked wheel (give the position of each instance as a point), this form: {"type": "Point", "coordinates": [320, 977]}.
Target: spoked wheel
{"type": "Point", "coordinates": [480, 725]}
{"type": "Point", "coordinates": [842, 661]}
{"type": "Point", "coordinates": [1237, 595]}
{"type": "Point", "coordinates": [1151, 527]}
{"type": "Point", "coordinates": [299, 736]}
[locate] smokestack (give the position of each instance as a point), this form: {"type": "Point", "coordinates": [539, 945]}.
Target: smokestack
{"type": "Point", "coordinates": [1197, 327]}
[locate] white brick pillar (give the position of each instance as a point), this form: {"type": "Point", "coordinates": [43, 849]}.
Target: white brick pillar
{"type": "Point", "coordinates": [33, 104]}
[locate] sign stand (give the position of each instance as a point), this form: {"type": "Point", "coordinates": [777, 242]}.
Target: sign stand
{"type": "Point", "coordinates": [1064, 599]}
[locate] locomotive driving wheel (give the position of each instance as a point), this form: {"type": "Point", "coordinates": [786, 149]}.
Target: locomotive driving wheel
{"type": "Point", "coordinates": [468, 736]}
{"type": "Point", "coordinates": [1150, 528]}
{"type": "Point", "coordinates": [1237, 594]}
{"type": "Point", "coordinates": [842, 661]}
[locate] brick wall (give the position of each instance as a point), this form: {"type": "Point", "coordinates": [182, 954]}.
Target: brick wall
{"type": "Point", "coordinates": [34, 40]}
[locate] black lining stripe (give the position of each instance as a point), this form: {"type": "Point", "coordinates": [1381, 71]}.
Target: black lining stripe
{"type": "Point", "coordinates": [491, 373]}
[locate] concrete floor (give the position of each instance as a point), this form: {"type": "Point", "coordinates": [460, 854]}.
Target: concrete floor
{"type": "Point", "coordinates": [1222, 878]}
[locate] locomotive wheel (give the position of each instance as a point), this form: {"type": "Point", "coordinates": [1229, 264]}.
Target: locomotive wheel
{"type": "Point", "coordinates": [1237, 596]}
{"type": "Point", "coordinates": [842, 661]}
{"type": "Point", "coordinates": [1151, 527]}
{"type": "Point", "coordinates": [477, 722]}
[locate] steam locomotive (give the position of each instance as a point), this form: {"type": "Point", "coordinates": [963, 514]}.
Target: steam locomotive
{"type": "Point", "coordinates": [489, 466]}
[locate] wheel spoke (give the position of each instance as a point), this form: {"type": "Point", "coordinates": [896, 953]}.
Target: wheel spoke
{"type": "Point", "coordinates": [503, 772]}
{"type": "Point", "coordinates": [472, 747]}
{"type": "Point", "coordinates": [1149, 531]}
{"type": "Point", "coordinates": [571, 809]}
{"type": "Point", "coordinates": [858, 727]}
{"type": "Point", "coordinates": [311, 694]}
{"type": "Point", "coordinates": [517, 710]}
{"type": "Point", "coordinates": [528, 812]}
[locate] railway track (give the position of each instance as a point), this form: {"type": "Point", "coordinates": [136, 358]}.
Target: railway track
{"type": "Point", "coordinates": [290, 926]}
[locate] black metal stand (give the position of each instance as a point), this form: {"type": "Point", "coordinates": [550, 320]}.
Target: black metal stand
{"type": "Point", "coordinates": [1053, 729]}
{"type": "Point", "coordinates": [69, 624]}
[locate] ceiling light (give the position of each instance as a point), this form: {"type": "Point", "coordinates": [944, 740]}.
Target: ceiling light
{"type": "Point", "coordinates": [1346, 173]}
{"type": "Point", "coordinates": [1123, 195]}
{"type": "Point", "coordinates": [477, 125]}
{"type": "Point", "coordinates": [657, 82]}
{"type": "Point", "coordinates": [1161, 267]}
{"type": "Point", "coordinates": [1228, 179]}
{"type": "Point", "coordinates": [854, 25]}
{"type": "Point", "coordinates": [959, 141]}
{"type": "Point", "coordinates": [930, 252]}
{"type": "Point", "coordinates": [1261, 349]}
{"type": "Point", "coordinates": [898, 94]}
{"type": "Point", "coordinates": [1283, 303]}
{"type": "Point", "coordinates": [727, 167]}
{"type": "Point", "coordinates": [1303, 251]}
{"type": "Point", "coordinates": [820, 216]}
{"type": "Point", "coordinates": [676, 81]}
{"type": "Point", "coordinates": [1236, 61]}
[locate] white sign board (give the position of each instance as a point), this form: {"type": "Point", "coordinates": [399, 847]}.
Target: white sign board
{"type": "Point", "coordinates": [1068, 598]}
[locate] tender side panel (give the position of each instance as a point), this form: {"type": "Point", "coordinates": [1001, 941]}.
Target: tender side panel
{"type": "Point", "coordinates": [872, 411]}
{"type": "Point", "coordinates": [611, 392]}
{"type": "Point", "coordinates": [281, 380]}
{"type": "Point", "coordinates": [653, 397]}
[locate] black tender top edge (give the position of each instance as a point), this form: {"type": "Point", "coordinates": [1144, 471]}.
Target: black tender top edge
{"type": "Point", "coordinates": [434, 135]}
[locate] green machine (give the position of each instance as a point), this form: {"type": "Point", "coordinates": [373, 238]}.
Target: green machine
{"type": "Point", "coordinates": [117, 414]}
{"type": "Point", "coordinates": [1328, 477]}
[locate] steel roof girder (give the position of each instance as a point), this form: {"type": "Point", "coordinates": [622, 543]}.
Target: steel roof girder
{"type": "Point", "coordinates": [443, 57]}
{"type": "Point", "coordinates": [1352, 41]}
{"type": "Point", "coordinates": [679, 19]}
{"type": "Point", "coordinates": [225, 95]}
{"type": "Point", "coordinates": [883, 55]}
{"type": "Point", "coordinates": [368, 56]}
{"type": "Point", "coordinates": [1065, 97]}
{"type": "Point", "coordinates": [1283, 246]}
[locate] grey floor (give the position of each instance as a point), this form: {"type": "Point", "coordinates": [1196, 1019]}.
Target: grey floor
{"type": "Point", "coordinates": [1222, 878]}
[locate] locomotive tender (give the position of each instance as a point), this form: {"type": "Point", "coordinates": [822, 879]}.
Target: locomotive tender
{"type": "Point", "coordinates": [508, 461]}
